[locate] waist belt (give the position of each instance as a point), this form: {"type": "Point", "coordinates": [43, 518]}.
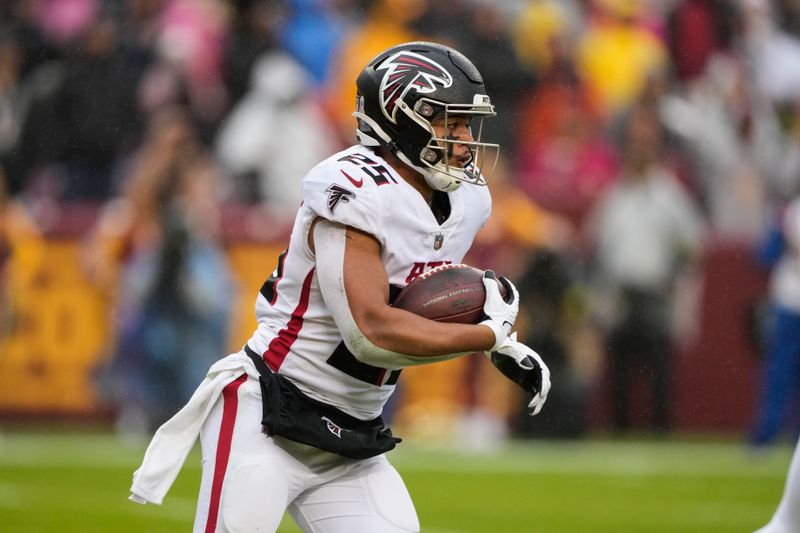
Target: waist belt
{"type": "Point", "coordinates": [289, 413]}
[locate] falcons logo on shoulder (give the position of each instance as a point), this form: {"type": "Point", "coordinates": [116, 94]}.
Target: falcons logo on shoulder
{"type": "Point", "coordinates": [408, 71]}
{"type": "Point", "coordinates": [337, 194]}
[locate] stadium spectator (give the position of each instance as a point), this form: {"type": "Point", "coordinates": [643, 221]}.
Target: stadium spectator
{"type": "Point", "coordinates": [555, 312]}
{"type": "Point", "coordinates": [436, 19]}
{"type": "Point", "coordinates": [385, 23]}
{"type": "Point", "coordinates": [75, 109]}
{"type": "Point", "coordinates": [156, 245]}
{"type": "Point", "coordinates": [518, 235]}
{"type": "Point", "coordinates": [644, 232]}
{"type": "Point", "coordinates": [486, 38]}
{"type": "Point", "coordinates": [191, 37]}
{"type": "Point", "coordinates": [535, 247]}
{"type": "Point", "coordinates": [97, 106]}
{"type": "Point", "coordinates": [540, 26]}
{"type": "Point", "coordinates": [311, 34]}
{"type": "Point", "coordinates": [63, 21]}
{"type": "Point", "coordinates": [14, 100]}
{"type": "Point", "coordinates": [781, 369]}
{"type": "Point", "coordinates": [254, 32]}
{"type": "Point", "coordinates": [21, 256]}
{"type": "Point", "coordinates": [697, 29]}
{"type": "Point", "coordinates": [733, 144]}
{"type": "Point", "coordinates": [772, 54]}
{"type": "Point", "coordinates": [19, 18]}
{"type": "Point", "coordinates": [618, 55]}
{"type": "Point", "coordinates": [563, 160]}
{"type": "Point", "coordinates": [787, 175]}
{"type": "Point", "coordinates": [266, 143]}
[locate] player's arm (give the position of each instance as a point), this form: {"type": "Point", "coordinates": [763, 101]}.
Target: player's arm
{"type": "Point", "coordinates": [367, 287]}
{"type": "Point", "coordinates": [355, 287]}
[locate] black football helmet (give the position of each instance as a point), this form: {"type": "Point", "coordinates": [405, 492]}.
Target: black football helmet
{"type": "Point", "coordinates": [404, 89]}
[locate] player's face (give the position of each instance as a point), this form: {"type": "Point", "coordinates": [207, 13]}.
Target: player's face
{"type": "Point", "coordinates": [455, 129]}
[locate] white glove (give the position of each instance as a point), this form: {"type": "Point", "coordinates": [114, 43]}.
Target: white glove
{"type": "Point", "coordinates": [524, 367]}
{"type": "Point", "coordinates": [501, 314]}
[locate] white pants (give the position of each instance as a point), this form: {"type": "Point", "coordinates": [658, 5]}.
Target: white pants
{"type": "Point", "coordinates": [250, 479]}
{"type": "Point", "coordinates": [787, 517]}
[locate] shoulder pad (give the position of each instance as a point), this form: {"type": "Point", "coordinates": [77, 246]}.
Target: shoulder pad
{"type": "Point", "coordinates": [342, 195]}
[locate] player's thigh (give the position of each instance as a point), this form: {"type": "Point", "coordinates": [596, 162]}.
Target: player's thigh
{"type": "Point", "coordinates": [256, 495]}
{"type": "Point", "coordinates": [247, 480]}
{"type": "Point", "coordinates": [370, 498]}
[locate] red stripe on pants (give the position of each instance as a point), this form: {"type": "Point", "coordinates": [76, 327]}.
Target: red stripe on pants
{"type": "Point", "coordinates": [230, 405]}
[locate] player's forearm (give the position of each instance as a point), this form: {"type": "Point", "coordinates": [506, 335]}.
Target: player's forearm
{"type": "Point", "coordinates": [403, 332]}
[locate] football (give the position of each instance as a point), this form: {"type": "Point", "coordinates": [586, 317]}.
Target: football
{"type": "Point", "coordinates": [449, 293]}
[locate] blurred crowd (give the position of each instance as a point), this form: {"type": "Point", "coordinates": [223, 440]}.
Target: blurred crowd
{"type": "Point", "coordinates": [634, 132]}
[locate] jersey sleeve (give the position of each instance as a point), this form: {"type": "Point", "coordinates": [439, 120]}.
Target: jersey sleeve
{"type": "Point", "coordinates": [338, 192]}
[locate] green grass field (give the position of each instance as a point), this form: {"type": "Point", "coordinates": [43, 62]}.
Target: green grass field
{"type": "Point", "coordinates": [73, 482]}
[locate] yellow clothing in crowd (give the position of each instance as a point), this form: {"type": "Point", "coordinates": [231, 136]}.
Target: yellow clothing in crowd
{"type": "Point", "coordinates": [615, 60]}
{"type": "Point", "coordinates": [383, 29]}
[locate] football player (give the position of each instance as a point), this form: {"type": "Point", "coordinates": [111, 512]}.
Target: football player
{"type": "Point", "coordinates": [293, 421]}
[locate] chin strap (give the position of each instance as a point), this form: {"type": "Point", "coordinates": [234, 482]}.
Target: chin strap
{"type": "Point", "coordinates": [439, 181]}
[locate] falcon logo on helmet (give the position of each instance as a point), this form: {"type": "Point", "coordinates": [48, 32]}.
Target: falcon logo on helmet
{"type": "Point", "coordinates": [408, 71]}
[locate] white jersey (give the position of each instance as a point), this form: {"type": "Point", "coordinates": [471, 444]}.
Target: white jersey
{"type": "Point", "coordinates": [296, 333]}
